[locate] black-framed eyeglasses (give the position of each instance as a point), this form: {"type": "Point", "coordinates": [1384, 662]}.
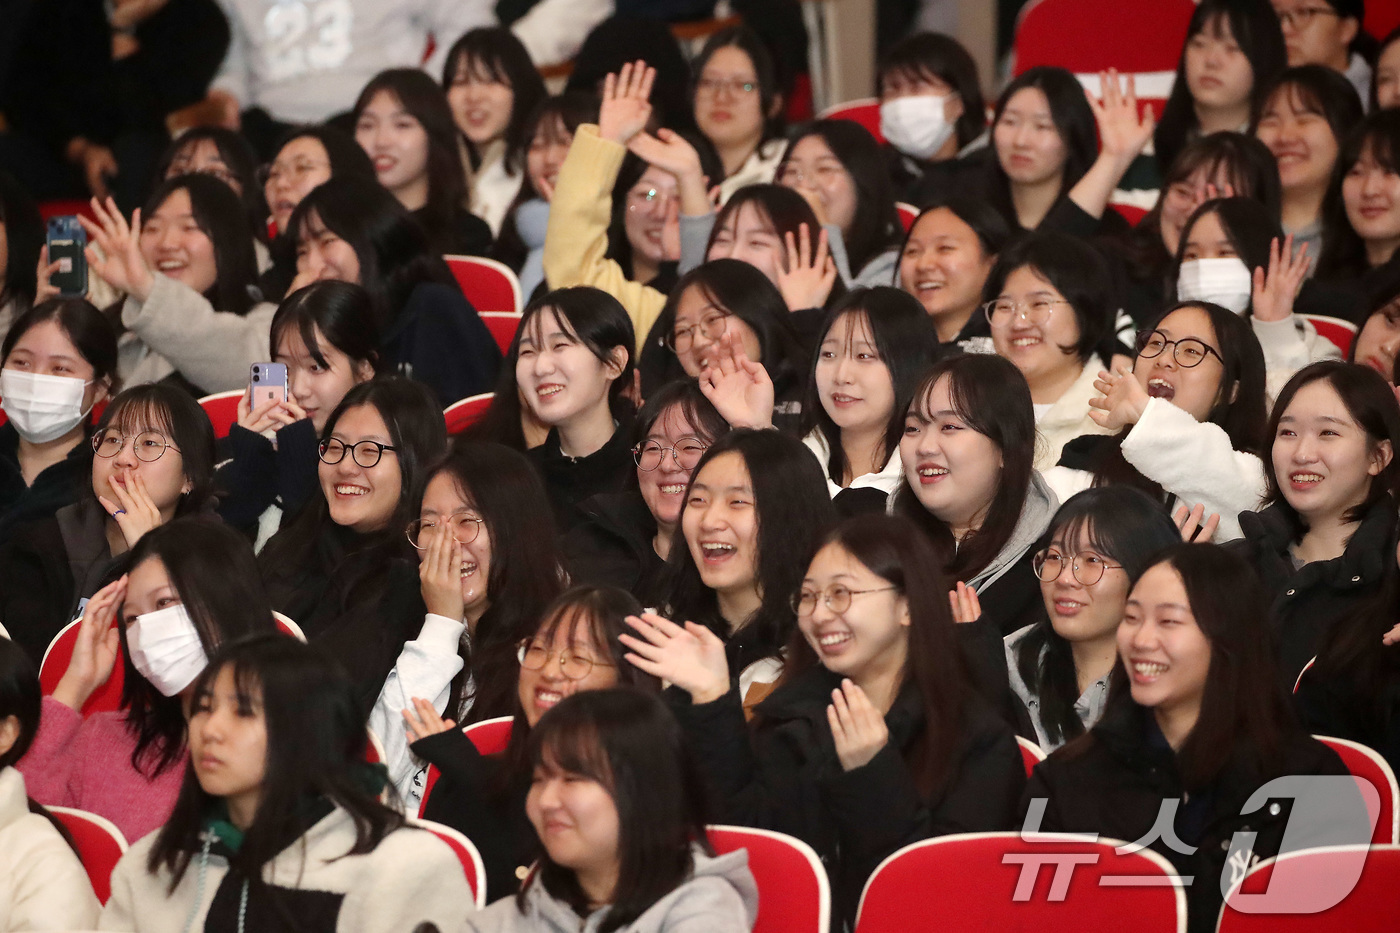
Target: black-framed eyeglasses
{"type": "Point", "coordinates": [465, 524]}
{"type": "Point", "coordinates": [534, 656]}
{"type": "Point", "coordinates": [1302, 19]}
{"type": "Point", "coordinates": [687, 452]}
{"type": "Point", "coordinates": [836, 597]}
{"type": "Point", "coordinates": [711, 325]}
{"type": "Point", "coordinates": [149, 446]}
{"type": "Point", "coordinates": [1003, 311]}
{"type": "Point", "coordinates": [333, 451]}
{"type": "Point", "coordinates": [1087, 568]}
{"type": "Point", "coordinates": [1187, 352]}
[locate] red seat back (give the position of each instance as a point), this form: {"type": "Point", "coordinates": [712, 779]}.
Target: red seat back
{"type": "Point", "coordinates": [908, 213]}
{"type": "Point", "coordinates": [100, 846]}
{"type": "Point", "coordinates": [222, 409]}
{"type": "Point", "coordinates": [502, 325]}
{"type": "Point", "coordinates": [1364, 763]}
{"type": "Point", "coordinates": [794, 895]}
{"type": "Point", "coordinates": [462, 415]}
{"type": "Point", "coordinates": [1308, 877]}
{"type": "Point", "coordinates": [970, 881]}
{"type": "Point", "coordinates": [466, 852]}
{"type": "Point", "coordinates": [105, 698]}
{"type": "Point", "coordinates": [1333, 329]}
{"type": "Point", "coordinates": [1031, 754]}
{"type": "Point", "coordinates": [866, 112]}
{"type": "Point", "coordinates": [489, 285]}
{"type": "Point", "coordinates": [490, 736]}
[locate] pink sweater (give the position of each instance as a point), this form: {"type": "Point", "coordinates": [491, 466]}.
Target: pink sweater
{"type": "Point", "coordinates": [86, 763]}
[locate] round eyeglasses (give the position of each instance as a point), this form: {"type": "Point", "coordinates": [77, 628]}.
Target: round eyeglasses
{"type": "Point", "coordinates": [465, 525]}
{"type": "Point", "coordinates": [687, 452]}
{"type": "Point", "coordinates": [1187, 352]}
{"type": "Point", "coordinates": [836, 597]}
{"type": "Point", "coordinates": [1003, 311]}
{"type": "Point", "coordinates": [365, 453]}
{"type": "Point", "coordinates": [148, 446]}
{"type": "Point", "coordinates": [534, 656]}
{"type": "Point", "coordinates": [1087, 568]}
{"type": "Point", "coordinates": [711, 326]}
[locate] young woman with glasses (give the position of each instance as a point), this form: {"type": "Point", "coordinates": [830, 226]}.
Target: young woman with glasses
{"type": "Point", "coordinates": [573, 648]}
{"type": "Point", "coordinates": [875, 737]}
{"type": "Point", "coordinates": [487, 567]}
{"type": "Point", "coordinates": [1186, 422]}
{"type": "Point", "coordinates": [153, 461]}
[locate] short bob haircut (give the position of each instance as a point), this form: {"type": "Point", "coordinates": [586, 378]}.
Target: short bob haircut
{"type": "Point", "coordinates": [1243, 712]}
{"type": "Point", "coordinates": [20, 697]}
{"type": "Point", "coordinates": [628, 741]}
{"type": "Point", "coordinates": [494, 54]}
{"type": "Point", "coordinates": [1079, 272]}
{"type": "Point", "coordinates": [1073, 119]}
{"type": "Point", "coordinates": [423, 100]}
{"type": "Point", "coordinates": [214, 573]}
{"type": "Point", "coordinates": [346, 157]}
{"type": "Point", "coordinates": [782, 208]}
{"type": "Point", "coordinates": [316, 742]}
{"type": "Point", "coordinates": [927, 55]}
{"type": "Point", "coordinates": [1121, 524]}
{"type": "Point", "coordinates": [1371, 403]}
{"type": "Point", "coordinates": [222, 217]}
{"type": "Point", "coordinates": [237, 155]}
{"type": "Point", "coordinates": [1255, 28]}
{"type": "Point", "coordinates": [792, 508]}
{"type": "Point", "coordinates": [173, 412]}
{"type": "Point", "coordinates": [903, 337]}
{"type": "Point", "coordinates": [875, 226]}
{"type": "Point", "coordinates": [600, 323]}
{"type": "Point", "coordinates": [526, 569]}
{"type": "Point", "coordinates": [684, 395]}
{"type": "Point", "coordinates": [88, 329]}
{"type": "Point", "coordinates": [772, 85]}
{"type": "Point", "coordinates": [344, 315]}
{"type": "Point", "coordinates": [992, 398]}
{"type": "Point", "coordinates": [1344, 252]}
{"type": "Point", "coordinates": [1248, 225]}
{"type": "Point", "coordinates": [1319, 90]}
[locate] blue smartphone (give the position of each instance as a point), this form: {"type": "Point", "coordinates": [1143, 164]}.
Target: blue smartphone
{"type": "Point", "coordinates": [66, 241]}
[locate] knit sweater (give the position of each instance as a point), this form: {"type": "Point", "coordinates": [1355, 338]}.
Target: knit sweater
{"type": "Point", "coordinates": [42, 884]}
{"type": "Point", "coordinates": [86, 763]}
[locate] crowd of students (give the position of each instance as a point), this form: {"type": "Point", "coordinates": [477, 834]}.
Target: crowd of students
{"type": "Point", "coordinates": [785, 513]}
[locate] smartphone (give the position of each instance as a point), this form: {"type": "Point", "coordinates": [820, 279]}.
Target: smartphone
{"type": "Point", "coordinates": [66, 241]}
{"type": "Point", "coordinates": [268, 383]}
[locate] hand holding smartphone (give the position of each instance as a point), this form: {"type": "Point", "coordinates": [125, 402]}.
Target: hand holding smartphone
{"type": "Point", "coordinates": [66, 241]}
{"type": "Point", "coordinates": [267, 382]}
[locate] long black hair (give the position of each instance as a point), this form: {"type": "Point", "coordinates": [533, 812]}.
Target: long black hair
{"type": "Point", "coordinates": [495, 53]}
{"type": "Point", "coordinates": [1344, 252]}
{"type": "Point", "coordinates": [239, 159]}
{"type": "Point", "coordinates": [1246, 223]}
{"type": "Point", "coordinates": [220, 216]}
{"type": "Point", "coordinates": [88, 329]}
{"type": "Point", "coordinates": [24, 237]}
{"type": "Point", "coordinates": [342, 312]}
{"type": "Point", "coordinates": [1121, 524]}
{"type": "Point", "coordinates": [213, 571]}
{"type": "Point", "coordinates": [772, 85]}
{"type": "Point", "coordinates": [934, 55]}
{"type": "Point", "coordinates": [626, 740]}
{"type": "Point", "coordinates": [172, 411]}
{"type": "Point", "coordinates": [316, 740]}
{"type": "Point", "coordinates": [20, 697]}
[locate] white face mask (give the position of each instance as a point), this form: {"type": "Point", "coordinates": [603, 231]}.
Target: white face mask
{"type": "Point", "coordinates": [1227, 282]}
{"type": "Point", "coordinates": [42, 408]}
{"type": "Point", "coordinates": [166, 649]}
{"type": "Point", "coordinates": [916, 125]}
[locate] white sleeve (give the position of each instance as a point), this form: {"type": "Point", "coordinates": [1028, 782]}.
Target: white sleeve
{"type": "Point", "coordinates": [233, 73]}
{"type": "Point", "coordinates": [1194, 461]}
{"type": "Point", "coordinates": [425, 669]}
{"type": "Point", "coordinates": [448, 20]}
{"type": "Point", "coordinates": [554, 30]}
{"type": "Point", "coordinates": [1289, 345]}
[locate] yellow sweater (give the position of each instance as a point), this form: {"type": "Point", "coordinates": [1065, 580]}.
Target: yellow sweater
{"type": "Point", "coordinates": [576, 241]}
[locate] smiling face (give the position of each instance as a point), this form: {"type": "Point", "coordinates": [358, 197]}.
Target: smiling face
{"type": "Point", "coordinates": [868, 641]}
{"type": "Point", "coordinates": [953, 469]}
{"type": "Point", "coordinates": [815, 171]}
{"type": "Point", "coordinates": [1165, 653]}
{"type": "Point", "coordinates": [1180, 200]}
{"type": "Point", "coordinates": [361, 498]}
{"type": "Point", "coordinates": [315, 387]}
{"type": "Point", "coordinates": [1218, 72]}
{"type": "Point", "coordinates": [728, 115]}
{"type": "Point", "coordinates": [1323, 458]}
{"type": "Point", "coordinates": [558, 375]}
{"type": "Point", "coordinates": [481, 105]}
{"type": "Point", "coordinates": [174, 245]}
{"type": "Point", "coordinates": [1028, 145]}
{"type": "Point", "coordinates": [395, 141]}
{"type": "Point", "coordinates": [853, 382]}
{"type": "Point", "coordinates": [1301, 140]}
{"type": "Point", "coordinates": [444, 500]}
{"type": "Point", "coordinates": [944, 266]}
{"type": "Point", "coordinates": [720, 523]}
{"type": "Point", "coordinates": [541, 690]}
{"type": "Point", "coordinates": [696, 310]}
{"type": "Point", "coordinates": [1193, 389]}
{"type": "Point", "coordinates": [1080, 613]}
{"type": "Point", "coordinates": [301, 165]}
{"type": "Point", "coordinates": [323, 255]}
{"type": "Point", "coordinates": [646, 219]}
{"type": "Point", "coordinates": [1379, 340]}
{"type": "Point", "coordinates": [1371, 193]}
{"type": "Point", "coordinates": [548, 147]}
{"type": "Point", "coordinates": [575, 818]}
{"type": "Point", "coordinates": [45, 349]}
{"type": "Point", "coordinates": [663, 489]}
{"type": "Point", "coordinates": [749, 236]}
{"type": "Point", "coordinates": [1035, 346]}
{"type": "Point", "coordinates": [163, 477]}
{"type": "Point", "coordinates": [228, 746]}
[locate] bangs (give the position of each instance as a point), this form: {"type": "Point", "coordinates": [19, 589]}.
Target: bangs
{"type": "Point", "coordinates": [1381, 147]}
{"type": "Point", "coordinates": [477, 63]}
{"type": "Point", "coordinates": [577, 621]}
{"type": "Point", "coordinates": [1300, 98]}
{"type": "Point", "coordinates": [131, 417]}
{"type": "Point", "coordinates": [576, 750]}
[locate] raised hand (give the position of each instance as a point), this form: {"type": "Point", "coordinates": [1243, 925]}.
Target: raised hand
{"type": "Point", "coordinates": [1122, 403]}
{"type": "Point", "coordinates": [440, 573]}
{"type": "Point", "coordinates": [964, 603]}
{"type": "Point", "coordinates": [857, 727]}
{"type": "Point", "coordinates": [1392, 637]}
{"type": "Point", "coordinates": [1193, 529]}
{"type": "Point", "coordinates": [422, 720]}
{"type": "Point", "coordinates": [672, 153]}
{"type": "Point", "coordinates": [135, 512]}
{"type": "Point", "coordinates": [691, 657]}
{"type": "Point", "coordinates": [119, 262]}
{"type": "Point", "coordinates": [95, 649]}
{"type": "Point", "coordinates": [808, 276]}
{"type": "Point", "coordinates": [1123, 131]}
{"type": "Point", "coordinates": [626, 105]}
{"type": "Point", "coordinates": [1274, 291]}
{"type": "Point", "coordinates": [738, 387]}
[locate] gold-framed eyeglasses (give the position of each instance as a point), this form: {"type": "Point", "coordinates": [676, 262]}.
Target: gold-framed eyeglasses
{"type": "Point", "coordinates": [688, 450]}
{"type": "Point", "coordinates": [1003, 311]}
{"type": "Point", "coordinates": [465, 524]}
{"type": "Point", "coordinates": [534, 656]}
{"type": "Point", "coordinates": [149, 446]}
{"type": "Point", "coordinates": [1088, 568]}
{"type": "Point", "coordinates": [711, 326]}
{"type": "Point", "coordinates": [836, 597]}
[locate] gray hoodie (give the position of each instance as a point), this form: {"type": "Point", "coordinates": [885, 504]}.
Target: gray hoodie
{"type": "Point", "coordinates": [1039, 507]}
{"type": "Point", "coordinates": [719, 897]}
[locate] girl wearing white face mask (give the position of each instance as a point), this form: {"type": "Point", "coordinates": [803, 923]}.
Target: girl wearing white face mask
{"type": "Point", "coordinates": [1234, 254]}
{"type": "Point", "coordinates": [60, 361]}
{"type": "Point", "coordinates": [185, 588]}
